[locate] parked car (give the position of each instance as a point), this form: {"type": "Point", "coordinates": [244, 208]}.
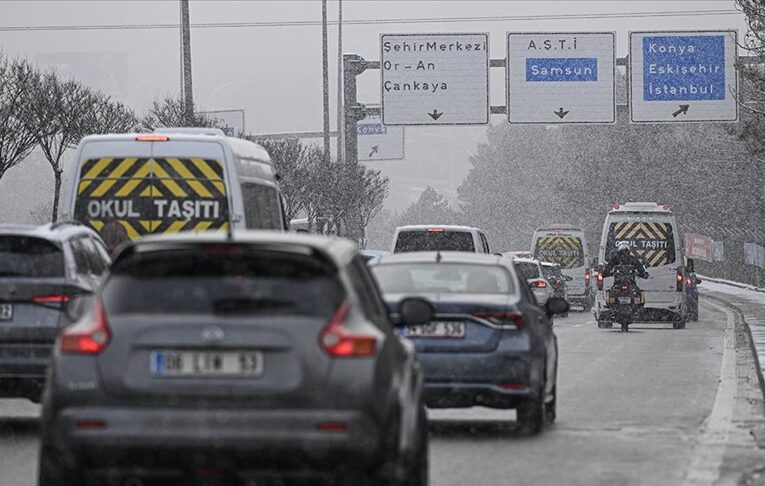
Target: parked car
{"type": "Point", "coordinates": [557, 280]}
{"type": "Point", "coordinates": [264, 351]}
{"type": "Point", "coordinates": [487, 342]}
{"type": "Point", "coordinates": [41, 269]}
{"type": "Point", "coordinates": [440, 238]}
{"type": "Point", "coordinates": [531, 270]}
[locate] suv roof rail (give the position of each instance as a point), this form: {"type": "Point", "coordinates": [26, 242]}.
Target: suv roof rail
{"type": "Point", "coordinates": [59, 224]}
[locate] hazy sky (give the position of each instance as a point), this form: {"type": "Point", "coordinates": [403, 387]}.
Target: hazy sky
{"type": "Point", "coordinates": [274, 72]}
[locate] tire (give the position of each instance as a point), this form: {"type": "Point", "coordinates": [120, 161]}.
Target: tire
{"type": "Point", "coordinates": [587, 306]}
{"type": "Point", "coordinates": [678, 325]}
{"type": "Point", "coordinates": [531, 415]}
{"type": "Point", "coordinates": [418, 470]}
{"type": "Point", "coordinates": [551, 407]}
{"type": "Point", "coordinates": [625, 326]}
{"type": "Point", "coordinates": [51, 472]}
{"type": "Point", "coordinates": [693, 311]}
{"type": "Point", "coordinates": [605, 324]}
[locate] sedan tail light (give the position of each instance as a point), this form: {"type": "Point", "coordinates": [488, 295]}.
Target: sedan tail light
{"type": "Point", "coordinates": [89, 336]}
{"type": "Point", "coordinates": [539, 284]}
{"type": "Point", "coordinates": [50, 299]}
{"type": "Point", "coordinates": [502, 318]}
{"type": "Point", "coordinates": [340, 342]}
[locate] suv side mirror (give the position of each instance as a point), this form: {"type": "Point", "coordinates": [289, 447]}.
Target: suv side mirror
{"type": "Point", "coordinates": [77, 306]}
{"type": "Point", "coordinates": [414, 310]}
{"type": "Point", "coordinates": [555, 306]}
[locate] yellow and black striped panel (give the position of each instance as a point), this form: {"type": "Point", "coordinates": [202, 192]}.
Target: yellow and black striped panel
{"type": "Point", "coordinates": [566, 251]}
{"type": "Point", "coordinates": [654, 242]}
{"type": "Point", "coordinates": [152, 195]}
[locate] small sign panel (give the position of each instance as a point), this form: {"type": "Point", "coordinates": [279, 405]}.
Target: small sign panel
{"type": "Point", "coordinates": [434, 79]}
{"type": "Point", "coordinates": [377, 141]}
{"type": "Point", "coordinates": [561, 77]}
{"type": "Point", "coordinates": [683, 76]}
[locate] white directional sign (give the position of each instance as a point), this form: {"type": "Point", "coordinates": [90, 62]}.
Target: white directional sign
{"type": "Point", "coordinates": [561, 77]}
{"type": "Point", "coordinates": [683, 76]}
{"type": "Point", "coordinates": [434, 79]}
{"type": "Point", "coordinates": [377, 141]}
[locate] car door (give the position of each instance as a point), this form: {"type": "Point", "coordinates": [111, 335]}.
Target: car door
{"type": "Point", "coordinates": [542, 327]}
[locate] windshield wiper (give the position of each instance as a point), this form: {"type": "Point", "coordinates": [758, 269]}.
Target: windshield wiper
{"type": "Point", "coordinates": [249, 304]}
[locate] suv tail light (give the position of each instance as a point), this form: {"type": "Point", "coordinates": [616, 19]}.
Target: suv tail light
{"type": "Point", "coordinates": [340, 342]}
{"type": "Point", "coordinates": [539, 284]}
{"type": "Point", "coordinates": [89, 336]}
{"type": "Point", "coordinates": [587, 277]}
{"type": "Point", "coordinates": [53, 301]}
{"type": "Point", "coordinates": [680, 279]}
{"type": "Point", "coordinates": [502, 318]}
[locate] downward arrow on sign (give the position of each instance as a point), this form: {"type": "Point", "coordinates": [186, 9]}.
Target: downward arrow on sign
{"type": "Point", "coordinates": [561, 113]}
{"type": "Point", "coordinates": [435, 115]}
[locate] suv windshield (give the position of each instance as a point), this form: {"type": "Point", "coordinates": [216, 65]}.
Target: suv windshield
{"type": "Point", "coordinates": [421, 240]}
{"type": "Point", "coordinates": [222, 281]}
{"type": "Point", "coordinates": [443, 278]}
{"type": "Point", "coordinates": [25, 256]}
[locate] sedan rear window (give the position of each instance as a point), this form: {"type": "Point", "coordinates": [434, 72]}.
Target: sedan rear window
{"type": "Point", "coordinates": [218, 281]}
{"type": "Point", "coordinates": [443, 278]}
{"type": "Point", "coordinates": [25, 256]}
{"type": "Point", "coordinates": [434, 241]}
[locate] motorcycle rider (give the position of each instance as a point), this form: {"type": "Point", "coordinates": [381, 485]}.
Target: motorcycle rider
{"type": "Point", "coordinates": [623, 256]}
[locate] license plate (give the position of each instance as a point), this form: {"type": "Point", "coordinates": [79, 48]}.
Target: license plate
{"type": "Point", "coordinates": [206, 363]}
{"type": "Point", "coordinates": [437, 329]}
{"type": "Point", "coordinates": [6, 312]}
{"type": "Point", "coordinates": [625, 300]}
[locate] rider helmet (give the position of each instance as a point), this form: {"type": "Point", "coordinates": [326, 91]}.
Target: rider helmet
{"type": "Point", "coordinates": [623, 248]}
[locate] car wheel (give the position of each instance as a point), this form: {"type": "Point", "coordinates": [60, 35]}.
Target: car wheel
{"type": "Point", "coordinates": [605, 324]}
{"type": "Point", "coordinates": [551, 407]}
{"type": "Point", "coordinates": [587, 307]}
{"type": "Point", "coordinates": [52, 471]}
{"type": "Point", "coordinates": [678, 325]}
{"type": "Point", "coordinates": [531, 415]}
{"type": "Point", "coordinates": [418, 473]}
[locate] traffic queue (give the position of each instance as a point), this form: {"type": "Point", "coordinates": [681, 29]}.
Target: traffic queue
{"type": "Point", "coordinates": [184, 347]}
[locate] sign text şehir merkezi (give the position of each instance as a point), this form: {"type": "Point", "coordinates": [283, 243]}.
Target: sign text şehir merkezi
{"type": "Point", "coordinates": [432, 46]}
{"type": "Point", "coordinates": [684, 68]}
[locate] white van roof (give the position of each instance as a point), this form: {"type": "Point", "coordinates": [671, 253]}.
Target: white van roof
{"type": "Point", "coordinates": [640, 207]}
{"type": "Point", "coordinates": [191, 130]}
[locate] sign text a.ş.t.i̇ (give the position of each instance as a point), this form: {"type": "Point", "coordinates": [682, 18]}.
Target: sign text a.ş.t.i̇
{"type": "Point", "coordinates": [683, 76]}
{"type": "Point", "coordinates": [558, 77]}
{"type": "Point", "coordinates": [434, 79]}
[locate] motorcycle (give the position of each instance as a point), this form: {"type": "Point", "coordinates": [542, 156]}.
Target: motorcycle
{"type": "Point", "coordinates": [624, 298]}
{"type": "Point", "coordinates": [692, 295]}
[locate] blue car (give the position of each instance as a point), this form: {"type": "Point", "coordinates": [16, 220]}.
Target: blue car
{"type": "Point", "coordinates": [488, 343]}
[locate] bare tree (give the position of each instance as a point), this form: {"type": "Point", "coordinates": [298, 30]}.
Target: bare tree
{"type": "Point", "coordinates": [60, 110]}
{"type": "Point", "coordinates": [109, 116]}
{"type": "Point", "coordinates": [171, 112]}
{"type": "Point", "coordinates": [17, 134]}
{"type": "Point", "coordinates": [292, 161]}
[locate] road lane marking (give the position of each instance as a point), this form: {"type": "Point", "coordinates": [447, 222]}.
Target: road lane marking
{"type": "Point", "coordinates": [707, 455]}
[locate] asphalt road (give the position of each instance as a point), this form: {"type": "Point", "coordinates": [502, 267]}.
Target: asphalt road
{"type": "Point", "coordinates": [630, 411]}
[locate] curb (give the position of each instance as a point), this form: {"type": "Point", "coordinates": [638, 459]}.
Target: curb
{"type": "Point", "coordinates": [740, 316]}
{"type": "Point", "coordinates": [733, 284]}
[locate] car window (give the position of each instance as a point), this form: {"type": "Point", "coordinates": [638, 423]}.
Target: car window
{"type": "Point", "coordinates": [436, 239]}
{"type": "Point", "coordinates": [527, 270]}
{"type": "Point", "coordinates": [262, 209]}
{"type": "Point", "coordinates": [484, 243]}
{"type": "Point", "coordinates": [81, 256]}
{"type": "Point", "coordinates": [443, 278]}
{"type": "Point", "coordinates": [25, 256]}
{"type": "Point", "coordinates": [211, 279]}
{"type": "Point", "coordinates": [369, 295]}
{"type": "Point", "coordinates": [95, 261]}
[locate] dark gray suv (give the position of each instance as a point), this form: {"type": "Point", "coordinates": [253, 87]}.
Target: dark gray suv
{"type": "Point", "coordinates": [41, 268]}
{"type": "Point", "coordinates": [203, 356]}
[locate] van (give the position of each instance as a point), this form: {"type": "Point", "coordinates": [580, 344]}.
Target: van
{"type": "Point", "coordinates": [652, 232]}
{"type": "Point", "coordinates": [182, 179]}
{"type": "Point", "coordinates": [440, 238]}
{"type": "Point", "coordinates": [567, 246]}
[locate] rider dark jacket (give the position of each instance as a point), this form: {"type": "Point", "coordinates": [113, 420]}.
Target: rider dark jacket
{"type": "Point", "coordinates": [624, 258]}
